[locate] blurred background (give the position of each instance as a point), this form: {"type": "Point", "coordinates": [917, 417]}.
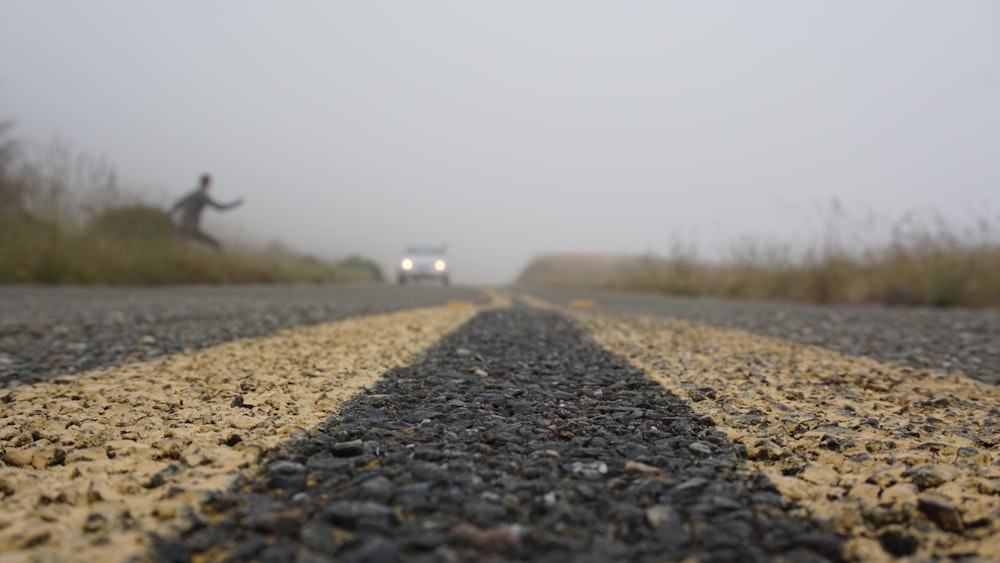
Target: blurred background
{"type": "Point", "coordinates": [819, 152]}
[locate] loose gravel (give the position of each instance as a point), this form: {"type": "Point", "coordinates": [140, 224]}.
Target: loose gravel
{"type": "Point", "coordinates": [90, 463]}
{"type": "Point", "coordinates": [548, 434]}
{"type": "Point", "coordinates": [903, 462]}
{"type": "Point", "coordinates": [514, 439]}
{"type": "Point", "coordinates": [951, 340]}
{"type": "Point", "coordinates": [47, 332]}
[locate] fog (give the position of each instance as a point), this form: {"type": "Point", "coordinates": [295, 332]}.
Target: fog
{"type": "Point", "coordinates": [507, 129]}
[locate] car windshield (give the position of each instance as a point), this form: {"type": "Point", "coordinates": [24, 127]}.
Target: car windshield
{"type": "Point", "coordinates": [425, 250]}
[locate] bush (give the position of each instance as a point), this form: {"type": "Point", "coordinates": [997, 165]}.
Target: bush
{"type": "Point", "coordinates": [134, 222]}
{"type": "Point", "coordinates": [367, 269]}
{"type": "Point", "coordinates": [926, 262]}
{"type": "Point", "coordinates": [67, 221]}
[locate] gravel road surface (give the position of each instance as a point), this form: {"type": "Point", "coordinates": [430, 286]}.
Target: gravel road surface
{"type": "Point", "coordinates": [443, 424]}
{"type": "Point", "coordinates": [953, 340]}
{"type": "Point", "coordinates": [60, 330]}
{"type": "Point", "coordinates": [514, 439]}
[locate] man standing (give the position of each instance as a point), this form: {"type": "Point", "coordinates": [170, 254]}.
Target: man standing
{"type": "Point", "coordinates": [190, 207]}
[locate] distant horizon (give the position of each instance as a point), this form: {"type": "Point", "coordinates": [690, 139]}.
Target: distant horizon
{"type": "Point", "coordinates": [866, 230]}
{"type": "Point", "coordinates": [515, 129]}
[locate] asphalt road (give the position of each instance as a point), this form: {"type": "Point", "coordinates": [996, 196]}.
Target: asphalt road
{"type": "Point", "coordinates": [382, 423]}
{"type": "Point", "coordinates": [57, 330]}
{"type": "Point", "coordinates": [954, 340]}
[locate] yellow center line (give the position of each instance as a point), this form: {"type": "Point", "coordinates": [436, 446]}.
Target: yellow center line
{"type": "Point", "coordinates": [848, 438]}
{"type": "Point", "coordinates": [93, 462]}
{"type": "Point", "coordinates": [532, 301]}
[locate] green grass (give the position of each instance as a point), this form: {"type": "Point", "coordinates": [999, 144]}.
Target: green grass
{"type": "Point", "coordinates": [68, 222]}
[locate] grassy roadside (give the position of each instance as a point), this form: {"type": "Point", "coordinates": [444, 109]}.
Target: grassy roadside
{"type": "Point", "coordinates": [66, 221]}
{"type": "Point", "coordinates": [922, 263]}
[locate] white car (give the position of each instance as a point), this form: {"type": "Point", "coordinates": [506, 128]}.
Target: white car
{"type": "Point", "coordinates": [424, 262]}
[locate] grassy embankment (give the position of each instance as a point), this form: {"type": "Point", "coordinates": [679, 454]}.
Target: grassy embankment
{"type": "Point", "coordinates": [67, 221]}
{"type": "Point", "coordinates": [921, 262]}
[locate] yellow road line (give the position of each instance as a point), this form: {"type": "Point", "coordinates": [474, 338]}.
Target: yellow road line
{"type": "Point", "coordinates": [94, 461]}
{"type": "Point", "coordinates": [851, 439]}
{"type": "Point", "coordinates": [498, 299]}
{"type": "Point", "coordinates": [537, 303]}
{"type": "Point", "coordinates": [532, 301]}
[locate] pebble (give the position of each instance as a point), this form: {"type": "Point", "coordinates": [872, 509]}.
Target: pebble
{"type": "Point", "coordinates": [350, 448]}
{"type": "Point", "coordinates": [700, 448]}
{"type": "Point", "coordinates": [941, 511]}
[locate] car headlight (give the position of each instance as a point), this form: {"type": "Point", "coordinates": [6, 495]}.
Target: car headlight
{"type": "Point", "coordinates": [407, 264]}
{"type": "Point", "coordinates": [440, 265]}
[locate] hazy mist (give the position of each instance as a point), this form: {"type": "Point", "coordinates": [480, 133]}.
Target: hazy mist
{"type": "Point", "coordinates": [508, 129]}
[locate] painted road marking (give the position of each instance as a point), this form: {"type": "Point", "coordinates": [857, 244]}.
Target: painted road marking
{"type": "Point", "coordinates": [582, 304]}
{"type": "Point", "coordinates": [93, 462]}
{"type": "Point", "coordinates": [852, 440]}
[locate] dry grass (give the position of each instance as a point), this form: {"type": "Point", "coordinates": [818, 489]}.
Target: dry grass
{"type": "Point", "coordinates": [66, 220]}
{"type": "Point", "coordinates": [923, 262]}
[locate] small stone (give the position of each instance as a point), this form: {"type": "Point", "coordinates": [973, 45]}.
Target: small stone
{"type": "Point", "coordinates": [348, 449]}
{"type": "Point", "coordinates": [928, 477]}
{"type": "Point", "coordinates": [349, 515]}
{"type": "Point", "coordinates": [237, 401]}
{"type": "Point", "coordinates": [663, 516]}
{"type": "Point", "coordinates": [988, 486]}
{"type": "Point", "coordinates": [690, 489]}
{"type": "Point", "coordinates": [274, 522]}
{"type": "Point", "coordinates": [898, 542]}
{"type": "Point", "coordinates": [765, 450]}
{"type": "Point", "coordinates": [481, 373]}
{"type": "Point", "coordinates": [378, 489]}
{"type": "Point", "coordinates": [700, 448]}
{"type": "Point", "coordinates": [693, 483]}
{"type": "Point", "coordinates": [95, 523]}
{"type": "Point", "coordinates": [171, 549]}
{"type": "Point", "coordinates": [588, 469]}
{"type": "Point", "coordinates": [702, 393]}
{"type": "Point", "coordinates": [941, 512]}
{"type": "Point", "coordinates": [639, 467]}
{"type": "Point", "coordinates": [286, 468]}
{"type": "Point", "coordinates": [35, 539]}
{"type": "Point", "coordinates": [484, 513]}
{"type": "Point", "coordinates": [830, 442]}
{"type": "Point", "coordinates": [792, 487]}
{"type": "Point", "coordinates": [115, 317]}
{"type": "Point", "coordinates": [828, 545]}
{"type": "Point", "coordinates": [463, 352]}
{"type": "Point", "coordinates": [233, 439]}
{"type": "Point", "coordinates": [502, 539]}
{"type": "Point", "coordinates": [373, 549]}
{"type": "Point", "coordinates": [17, 458]}
{"type": "Point", "coordinates": [415, 495]}
{"type": "Point", "coordinates": [318, 536]}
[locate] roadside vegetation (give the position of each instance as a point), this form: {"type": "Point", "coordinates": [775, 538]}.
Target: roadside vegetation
{"type": "Point", "coordinates": [921, 260]}
{"type": "Point", "coordinates": [65, 220]}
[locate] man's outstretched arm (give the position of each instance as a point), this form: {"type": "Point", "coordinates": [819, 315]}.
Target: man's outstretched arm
{"type": "Point", "coordinates": [225, 206]}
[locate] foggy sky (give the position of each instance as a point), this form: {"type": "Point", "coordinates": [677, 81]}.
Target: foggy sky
{"type": "Point", "coordinates": [511, 128]}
